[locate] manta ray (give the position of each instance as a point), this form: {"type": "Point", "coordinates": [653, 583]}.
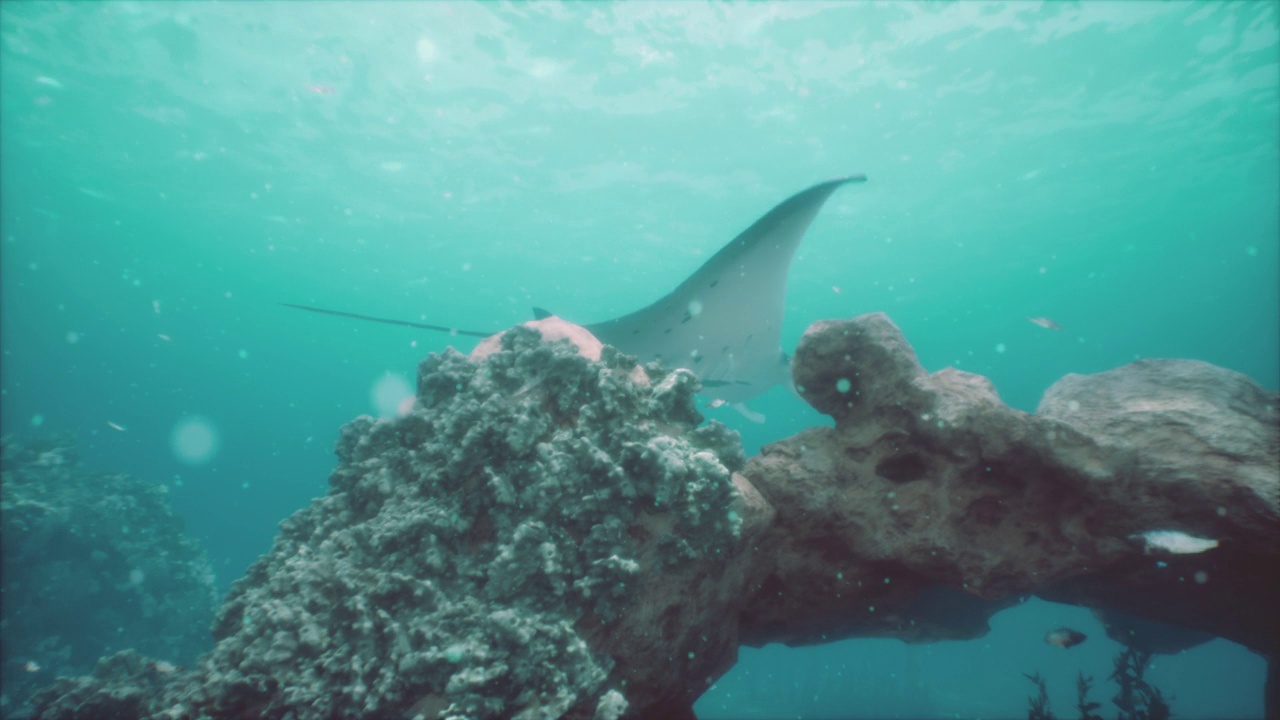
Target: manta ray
{"type": "Point", "coordinates": [724, 322]}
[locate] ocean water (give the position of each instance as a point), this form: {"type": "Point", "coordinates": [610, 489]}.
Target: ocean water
{"type": "Point", "coordinates": [170, 173]}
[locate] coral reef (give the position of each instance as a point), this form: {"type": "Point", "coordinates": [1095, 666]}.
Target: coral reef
{"type": "Point", "coordinates": [551, 533]}
{"type": "Point", "coordinates": [92, 564]}
{"type": "Point", "coordinates": [541, 536]}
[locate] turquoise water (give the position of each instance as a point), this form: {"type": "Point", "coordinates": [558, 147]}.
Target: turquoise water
{"type": "Point", "coordinates": [173, 172]}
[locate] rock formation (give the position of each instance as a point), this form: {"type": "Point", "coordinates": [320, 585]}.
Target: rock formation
{"type": "Point", "coordinates": [929, 480]}
{"type": "Point", "coordinates": [92, 564]}
{"type": "Point", "coordinates": [550, 535]}
{"type": "Point", "coordinates": [542, 536]}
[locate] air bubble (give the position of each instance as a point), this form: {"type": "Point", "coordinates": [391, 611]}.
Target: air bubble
{"type": "Point", "coordinates": [194, 440]}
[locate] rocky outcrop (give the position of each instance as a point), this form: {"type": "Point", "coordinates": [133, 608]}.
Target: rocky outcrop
{"type": "Point", "coordinates": [541, 536]}
{"type": "Point", "coordinates": [929, 480]}
{"type": "Point", "coordinates": [92, 564]}
{"type": "Point", "coordinates": [550, 533]}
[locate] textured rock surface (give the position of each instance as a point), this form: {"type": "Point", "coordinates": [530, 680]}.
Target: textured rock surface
{"type": "Point", "coordinates": [930, 480]}
{"type": "Point", "coordinates": [542, 536]}
{"type": "Point", "coordinates": [546, 535]}
{"type": "Point", "coordinates": [92, 564]}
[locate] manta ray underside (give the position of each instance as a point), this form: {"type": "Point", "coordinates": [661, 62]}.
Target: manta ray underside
{"type": "Point", "coordinates": [725, 321]}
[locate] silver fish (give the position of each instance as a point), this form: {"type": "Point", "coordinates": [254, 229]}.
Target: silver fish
{"type": "Point", "coordinates": [1045, 323]}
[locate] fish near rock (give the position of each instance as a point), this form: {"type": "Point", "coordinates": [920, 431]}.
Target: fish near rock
{"type": "Point", "coordinates": [1065, 638]}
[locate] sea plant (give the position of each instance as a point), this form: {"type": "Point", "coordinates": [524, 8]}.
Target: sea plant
{"type": "Point", "coordinates": [1136, 699]}
{"type": "Point", "coordinates": [1039, 703]}
{"type": "Point", "coordinates": [1086, 706]}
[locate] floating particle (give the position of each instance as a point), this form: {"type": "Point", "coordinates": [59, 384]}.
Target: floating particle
{"type": "Point", "coordinates": [116, 426]}
{"type": "Point", "coordinates": [843, 385]}
{"type": "Point", "coordinates": [37, 420]}
{"type": "Point", "coordinates": [426, 50]}
{"type": "Point", "coordinates": [1251, 251]}
{"type": "Point", "coordinates": [390, 393]}
{"type": "Point", "coordinates": [194, 440]}
{"type": "Point", "coordinates": [73, 337]}
{"type": "Point", "coordinates": [406, 405]}
{"type": "Point", "coordinates": [155, 305]}
{"type": "Point", "coordinates": [46, 80]}
{"type": "Point", "coordinates": [164, 337]}
{"type": "Point", "coordinates": [1000, 348]}
{"type": "Point", "coordinates": [836, 289]}
{"type": "Point", "coordinates": [695, 308]}
{"type": "Point", "coordinates": [243, 354]}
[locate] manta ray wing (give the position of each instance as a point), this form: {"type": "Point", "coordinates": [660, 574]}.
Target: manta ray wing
{"type": "Point", "coordinates": [725, 321]}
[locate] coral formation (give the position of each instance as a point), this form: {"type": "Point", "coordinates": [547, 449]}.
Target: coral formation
{"type": "Point", "coordinates": [542, 536]}
{"type": "Point", "coordinates": [93, 564]}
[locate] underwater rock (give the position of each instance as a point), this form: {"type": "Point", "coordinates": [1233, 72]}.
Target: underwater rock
{"type": "Point", "coordinates": [93, 564]}
{"type": "Point", "coordinates": [929, 479]}
{"type": "Point", "coordinates": [548, 535]}
{"type": "Point", "coordinates": [540, 537]}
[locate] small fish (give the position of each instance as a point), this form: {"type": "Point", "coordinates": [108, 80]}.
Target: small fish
{"type": "Point", "coordinates": [1065, 637]}
{"type": "Point", "coordinates": [115, 426]}
{"type": "Point", "coordinates": [164, 337]}
{"type": "Point", "coordinates": [1173, 541]}
{"type": "Point", "coordinates": [1045, 323]}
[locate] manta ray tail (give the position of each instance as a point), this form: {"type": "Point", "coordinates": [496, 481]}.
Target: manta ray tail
{"type": "Point", "coordinates": [388, 321]}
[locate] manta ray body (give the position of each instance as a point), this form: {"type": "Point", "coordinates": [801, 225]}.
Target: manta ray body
{"type": "Point", "coordinates": [724, 322]}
